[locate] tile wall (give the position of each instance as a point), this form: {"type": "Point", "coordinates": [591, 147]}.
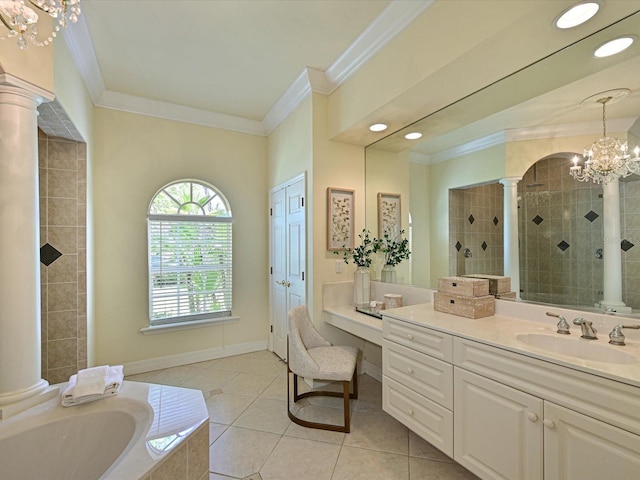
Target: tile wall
{"type": "Point", "coordinates": [630, 233]}
{"type": "Point", "coordinates": [561, 236]}
{"type": "Point", "coordinates": [62, 170]}
{"type": "Point", "coordinates": [476, 228]}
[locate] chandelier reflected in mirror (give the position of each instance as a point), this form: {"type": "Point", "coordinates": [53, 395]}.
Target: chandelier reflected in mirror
{"type": "Point", "coordinates": [608, 158]}
{"type": "Point", "coordinates": [20, 18]}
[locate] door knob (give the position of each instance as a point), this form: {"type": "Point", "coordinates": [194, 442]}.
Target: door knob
{"type": "Point", "coordinates": [284, 283]}
{"type": "Point", "coordinates": [532, 416]}
{"type": "Point", "coordinates": [548, 423]}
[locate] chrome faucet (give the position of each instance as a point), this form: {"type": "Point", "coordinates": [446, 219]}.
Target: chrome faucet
{"type": "Point", "coordinates": [563, 326]}
{"type": "Point", "coordinates": [588, 332]}
{"type": "Point", "coordinates": [616, 337]}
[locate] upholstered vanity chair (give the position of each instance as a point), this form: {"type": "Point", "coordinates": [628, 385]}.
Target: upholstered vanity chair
{"type": "Point", "coordinates": [310, 355]}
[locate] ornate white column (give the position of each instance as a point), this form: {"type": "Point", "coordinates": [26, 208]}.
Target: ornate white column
{"type": "Point", "coordinates": [511, 248]}
{"type": "Point", "coordinates": [20, 383]}
{"type": "Point", "coordinates": [611, 253]}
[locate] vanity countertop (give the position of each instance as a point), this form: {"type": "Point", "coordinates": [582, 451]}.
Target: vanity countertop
{"type": "Point", "coordinates": [501, 331]}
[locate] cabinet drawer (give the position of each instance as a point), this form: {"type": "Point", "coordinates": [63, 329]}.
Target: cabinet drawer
{"type": "Point", "coordinates": [422, 339]}
{"type": "Point", "coordinates": [426, 375]}
{"type": "Point", "coordinates": [427, 419]}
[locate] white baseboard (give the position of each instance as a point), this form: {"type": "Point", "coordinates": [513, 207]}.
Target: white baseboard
{"type": "Point", "coordinates": [148, 365]}
{"type": "Point", "coordinates": [372, 370]}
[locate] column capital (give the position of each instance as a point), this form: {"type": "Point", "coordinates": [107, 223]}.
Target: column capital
{"type": "Point", "coordinates": [510, 181]}
{"type": "Point", "coordinates": [12, 84]}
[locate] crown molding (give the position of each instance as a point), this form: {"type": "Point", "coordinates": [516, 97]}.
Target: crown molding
{"type": "Point", "coordinates": [384, 28]}
{"type": "Point", "coordinates": [80, 47]}
{"type": "Point", "coordinates": [393, 19]}
{"type": "Point", "coordinates": [533, 133]}
{"type": "Point", "coordinates": [171, 111]}
{"type": "Point", "coordinates": [420, 158]}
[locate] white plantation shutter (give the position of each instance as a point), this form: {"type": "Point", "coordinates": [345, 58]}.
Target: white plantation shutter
{"type": "Point", "coordinates": [190, 265]}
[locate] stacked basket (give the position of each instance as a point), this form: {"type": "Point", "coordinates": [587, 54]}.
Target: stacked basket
{"type": "Point", "coordinates": [463, 296]}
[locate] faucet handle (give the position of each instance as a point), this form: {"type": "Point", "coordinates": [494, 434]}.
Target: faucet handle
{"type": "Point", "coordinates": [563, 325]}
{"type": "Point", "coordinates": [616, 337]}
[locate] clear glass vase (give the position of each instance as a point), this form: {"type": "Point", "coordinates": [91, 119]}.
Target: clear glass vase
{"type": "Point", "coordinates": [388, 274]}
{"type": "Point", "coordinates": [361, 287]}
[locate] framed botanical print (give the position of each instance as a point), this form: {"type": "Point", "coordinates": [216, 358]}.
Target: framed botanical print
{"type": "Point", "coordinates": [389, 214]}
{"type": "Point", "coordinates": [340, 218]}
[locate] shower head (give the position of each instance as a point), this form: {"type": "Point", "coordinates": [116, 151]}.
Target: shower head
{"type": "Point", "coordinates": [535, 178]}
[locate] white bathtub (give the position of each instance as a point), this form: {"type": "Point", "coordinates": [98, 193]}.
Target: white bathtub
{"type": "Point", "coordinates": [121, 437]}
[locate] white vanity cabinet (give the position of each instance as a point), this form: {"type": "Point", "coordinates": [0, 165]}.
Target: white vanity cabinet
{"type": "Point", "coordinates": [509, 415]}
{"type": "Point", "coordinates": [577, 446]}
{"type": "Point", "coordinates": [497, 429]}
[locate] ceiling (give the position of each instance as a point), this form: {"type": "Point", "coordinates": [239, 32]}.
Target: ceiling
{"type": "Point", "coordinates": [244, 64]}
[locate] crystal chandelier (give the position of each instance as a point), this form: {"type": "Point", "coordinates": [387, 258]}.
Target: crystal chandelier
{"type": "Point", "coordinates": [21, 19]}
{"type": "Point", "coordinates": [607, 159]}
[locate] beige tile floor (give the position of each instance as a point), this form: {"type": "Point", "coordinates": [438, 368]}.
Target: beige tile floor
{"type": "Point", "coordinates": [252, 438]}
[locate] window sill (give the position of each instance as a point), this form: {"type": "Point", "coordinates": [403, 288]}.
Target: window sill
{"type": "Point", "coordinates": [174, 327]}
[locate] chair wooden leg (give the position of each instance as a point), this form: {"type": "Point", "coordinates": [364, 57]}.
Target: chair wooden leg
{"type": "Point", "coordinates": [347, 409]}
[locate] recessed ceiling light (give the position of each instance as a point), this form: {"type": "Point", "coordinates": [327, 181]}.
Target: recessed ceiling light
{"type": "Point", "coordinates": [614, 46]}
{"type": "Point", "coordinates": [577, 15]}
{"type": "Point", "coordinates": [378, 127]}
{"type": "Point", "coordinates": [413, 135]}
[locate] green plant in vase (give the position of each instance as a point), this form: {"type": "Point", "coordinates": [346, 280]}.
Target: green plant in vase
{"type": "Point", "coordinates": [395, 249]}
{"type": "Point", "coordinates": [361, 255]}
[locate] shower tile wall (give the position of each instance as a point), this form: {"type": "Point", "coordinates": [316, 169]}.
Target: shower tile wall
{"type": "Point", "coordinates": [561, 236]}
{"type": "Point", "coordinates": [62, 169]}
{"type": "Point", "coordinates": [630, 234]}
{"type": "Point", "coordinates": [475, 227]}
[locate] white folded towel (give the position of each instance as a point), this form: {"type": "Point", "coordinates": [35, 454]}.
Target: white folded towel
{"type": "Point", "coordinates": [92, 384]}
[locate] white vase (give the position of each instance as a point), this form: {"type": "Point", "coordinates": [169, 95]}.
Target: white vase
{"type": "Point", "coordinates": [361, 287]}
{"type": "Point", "coordinates": [388, 274]}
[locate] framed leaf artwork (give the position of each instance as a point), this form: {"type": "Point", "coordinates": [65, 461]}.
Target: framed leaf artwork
{"type": "Point", "coordinates": [340, 218]}
{"type": "Point", "coordinates": [389, 214]}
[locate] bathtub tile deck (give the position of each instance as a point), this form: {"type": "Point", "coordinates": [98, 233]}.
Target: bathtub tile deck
{"type": "Point", "coordinates": [252, 438]}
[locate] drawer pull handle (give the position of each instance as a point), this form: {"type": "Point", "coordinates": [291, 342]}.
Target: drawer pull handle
{"type": "Point", "coordinates": [532, 417]}
{"type": "Point", "coordinates": [548, 423]}
{"type": "Point", "coordinates": [410, 371]}
{"type": "Point", "coordinates": [409, 336]}
{"type": "Point", "coordinates": [410, 412]}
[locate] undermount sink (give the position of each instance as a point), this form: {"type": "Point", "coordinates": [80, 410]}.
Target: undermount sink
{"type": "Point", "coordinates": [576, 347]}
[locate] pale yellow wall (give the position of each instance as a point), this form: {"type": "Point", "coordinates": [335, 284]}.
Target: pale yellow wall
{"type": "Point", "coordinates": [522, 154]}
{"type": "Point", "coordinates": [335, 164]}
{"type": "Point", "coordinates": [387, 172]}
{"type": "Point", "coordinates": [479, 167]}
{"type": "Point", "coordinates": [134, 156]}
{"type": "Point", "coordinates": [289, 149]}
{"type": "Point", "coordinates": [420, 213]}
{"type": "Point", "coordinates": [431, 60]}
{"type": "Point", "coordinates": [70, 91]}
{"type": "Point", "coordinates": [34, 64]}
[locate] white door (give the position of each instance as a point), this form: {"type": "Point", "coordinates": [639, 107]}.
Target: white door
{"type": "Point", "coordinates": [580, 447]}
{"type": "Point", "coordinates": [288, 258]}
{"type": "Point", "coordinates": [497, 429]}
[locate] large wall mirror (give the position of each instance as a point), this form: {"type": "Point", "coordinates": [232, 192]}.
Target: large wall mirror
{"type": "Point", "coordinates": [529, 125]}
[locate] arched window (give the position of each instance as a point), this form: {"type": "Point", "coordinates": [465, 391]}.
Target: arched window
{"type": "Point", "coordinates": [189, 235]}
